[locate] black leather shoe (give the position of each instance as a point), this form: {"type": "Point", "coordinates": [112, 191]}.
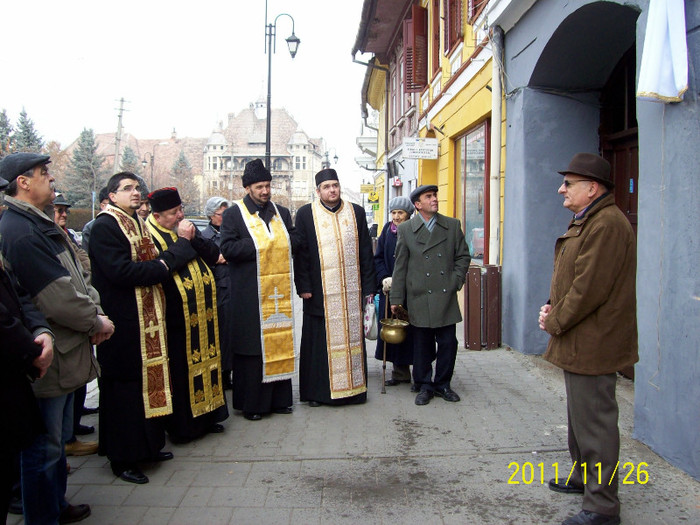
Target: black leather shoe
{"type": "Point", "coordinates": [134, 476]}
{"type": "Point", "coordinates": [163, 456]}
{"type": "Point", "coordinates": [591, 518]}
{"type": "Point", "coordinates": [314, 404]}
{"type": "Point", "coordinates": [252, 417]}
{"type": "Point", "coordinates": [88, 411]}
{"type": "Point", "coordinates": [424, 397]}
{"type": "Point", "coordinates": [83, 430]}
{"type": "Point", "coordinates": [216, 428]}
{"type": "Point", "coordinates": [564, 488]}
{"type": "Point", "coordinates": [415, 388]}
{"type": "Point", "coordinates": [284, 410]}
{"type": "Point", "coordinates": [447, 394]}
{"type": "Point", "coordinates": [74, 513]}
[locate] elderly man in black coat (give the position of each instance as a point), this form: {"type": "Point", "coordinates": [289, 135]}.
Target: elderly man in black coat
{"type": "Point", "coordinates": [255, 240]}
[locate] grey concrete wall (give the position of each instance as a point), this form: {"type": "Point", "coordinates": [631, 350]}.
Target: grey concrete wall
{"type": "Point", "coordinates": [544, 132]}
{"type": "Point", "coordinates": [667, 377]}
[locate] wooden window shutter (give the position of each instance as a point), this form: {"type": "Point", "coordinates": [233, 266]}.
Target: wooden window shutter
{"type": "Point", "coordinates": [415, 53]}
{"type": "Point", "coordinates": [436, 35]}
{"type": "Point", "coordinates": [454, 22]}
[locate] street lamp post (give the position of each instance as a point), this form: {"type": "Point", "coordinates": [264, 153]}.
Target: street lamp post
{"type": "Point", "coordinates": [152, 155]}
{"type": "Point", "coordinates": [293, 44]}
{"type": "Point", "coordinates": [327, 163]}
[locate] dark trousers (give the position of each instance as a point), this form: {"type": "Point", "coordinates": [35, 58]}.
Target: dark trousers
{"type": "Point", "coordinates": [594, 438]}
{"type": "Point", "coordinates": [425, 352]}
{"type": "Point", "coordinates": [78, 402]}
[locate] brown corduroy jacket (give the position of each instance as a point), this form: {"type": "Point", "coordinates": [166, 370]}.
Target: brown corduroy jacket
{"type": "Point", "coordinates": [593, 320]}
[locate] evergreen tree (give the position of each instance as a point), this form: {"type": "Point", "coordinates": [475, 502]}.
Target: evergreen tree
{"type": "Point", "coordinates": [183, 178]}
{"type": "Point", "coordinates": [26, 138]}
{"type": "Point", "coordinates": [6, 139]}
{"type": "Point", "coordinates": [86, 172]}
{"type": "Point", "coordinates": [130, 162]}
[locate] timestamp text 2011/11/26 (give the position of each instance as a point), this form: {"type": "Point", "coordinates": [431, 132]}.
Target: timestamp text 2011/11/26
{"type": "Point", "coordinates": [528, 473]}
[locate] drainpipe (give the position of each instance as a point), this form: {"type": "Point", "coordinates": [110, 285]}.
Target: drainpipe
{"type": "Point", "coordinates": [495, 170]}
{"type": "Point", "coordinates": [386, 129]}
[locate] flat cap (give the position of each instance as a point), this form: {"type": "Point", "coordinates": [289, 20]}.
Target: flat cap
{"type": "Point", "coordinates": [3, 183]}
{"type": "Point", "coordinates": [16, 164]}
{"type": "Point", "coordinates": [420, 190]}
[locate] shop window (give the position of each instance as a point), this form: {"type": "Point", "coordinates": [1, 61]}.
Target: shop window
{"type": "Point", "coordinates": [472, 154]}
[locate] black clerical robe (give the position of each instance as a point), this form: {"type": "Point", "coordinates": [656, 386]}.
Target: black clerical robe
{"type": "Point", "coordinates": [314, 380]}
{"type": "Point", "coordinates": [194, 353]}
{"type": "Point", "coordinates": [250, 393]}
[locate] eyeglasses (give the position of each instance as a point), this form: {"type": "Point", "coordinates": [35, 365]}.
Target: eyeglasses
{"type": "Point", "coordinates": [129, 188]}
{"type": "Point", "coordinates": [569, 183]}
{"type": "Point", "coordinates": [62, 211]}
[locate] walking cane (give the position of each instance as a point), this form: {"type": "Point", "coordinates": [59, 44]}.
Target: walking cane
{"type": "Point", "coordinates": [386, 316]}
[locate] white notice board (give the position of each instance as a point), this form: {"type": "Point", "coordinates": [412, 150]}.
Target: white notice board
{"type": "Point", "coordinates": [420, 148]}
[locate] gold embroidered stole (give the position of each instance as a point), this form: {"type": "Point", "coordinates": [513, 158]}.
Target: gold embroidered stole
{"type": "Point", "coordinates": [150, 307]}
{"type": "Point", "coordinates": [274, 273]}
{"type": "Point", "coordinates": [338, 249]}
{"type": "Point", "coordinates": [197, 288]}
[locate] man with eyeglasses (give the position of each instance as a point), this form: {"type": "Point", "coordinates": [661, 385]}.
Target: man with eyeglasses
{"type": "Point", "coordinates": [135, 382]}
{"type": "Point", "coordinates": [592, 320]}
{"type": "Point", "coordinates": [45, 264]}
{"type": "Point", "coordinates": [194, 352]}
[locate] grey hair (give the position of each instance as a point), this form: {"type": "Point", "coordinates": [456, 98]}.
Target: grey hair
{"type": "Point", "coordinates": [213, 204]}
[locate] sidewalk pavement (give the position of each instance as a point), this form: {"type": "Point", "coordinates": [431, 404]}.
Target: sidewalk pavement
{"type": "Point", "coordinates": [390, 461]}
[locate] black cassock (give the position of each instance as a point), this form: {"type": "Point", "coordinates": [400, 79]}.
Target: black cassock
{"type": "Point", "coordinates": [126, 435]}
{"type": "Point", "coordinates": [250, 394]}
{"type": "Point", "coordinates": [181, 425]}
{"type": "Point", "coordinates": [314, 382]}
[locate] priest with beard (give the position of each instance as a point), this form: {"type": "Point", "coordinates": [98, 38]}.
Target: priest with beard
{"type": "Point", "coordinates": [255, 240]}
{"type": "Point", "coordinates": [333, 272]}
{"type": "Point", "coordinates": [194, 350]}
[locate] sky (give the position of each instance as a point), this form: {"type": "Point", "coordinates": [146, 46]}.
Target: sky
{"type": "Point", "coordinates": [182, 65]}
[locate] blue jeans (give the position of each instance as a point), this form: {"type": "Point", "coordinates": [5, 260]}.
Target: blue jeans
{"type": "Point", "coordinates": [44, 474]}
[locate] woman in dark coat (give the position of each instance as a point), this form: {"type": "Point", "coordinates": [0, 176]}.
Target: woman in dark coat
{"type": "Point", "coordinates": [214, 210]}
{"type": "Point", "coordinates": [400, 355]}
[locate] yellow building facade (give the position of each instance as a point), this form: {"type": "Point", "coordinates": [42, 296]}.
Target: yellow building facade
{"type": "Point", "coordinates": [433, 79]}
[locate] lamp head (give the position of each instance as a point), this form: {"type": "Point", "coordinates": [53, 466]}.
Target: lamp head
{"type": "Point", "coordinates": [293, 44]}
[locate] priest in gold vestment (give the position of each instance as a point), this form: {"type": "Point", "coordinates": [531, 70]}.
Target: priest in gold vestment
{"type": "Point", "coordinates": [256, 241]}
{"type": "Point", "coordinates": [194, 352]}
{"type": "Point", "coordinates": [333, 272]}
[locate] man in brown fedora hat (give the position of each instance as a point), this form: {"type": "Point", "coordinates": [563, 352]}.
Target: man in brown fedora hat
{"type": "Point", "coordinates": [591, 318]}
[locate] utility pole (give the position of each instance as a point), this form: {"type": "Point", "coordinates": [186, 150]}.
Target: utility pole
{"type": "Point", "coordinates": [118, 138]}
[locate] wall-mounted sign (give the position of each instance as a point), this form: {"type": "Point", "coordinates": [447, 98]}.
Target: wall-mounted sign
{"type": "Point", "coordinates": [366, 188]}
{"type": "Point", "coordinates": [396, 182]}
{"type": "Point", "coordinates": [420, 148]}
{"type": "Point", "coordinates": [375, 207]}
{"type": "Point", "coordinates": [373, 196]}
